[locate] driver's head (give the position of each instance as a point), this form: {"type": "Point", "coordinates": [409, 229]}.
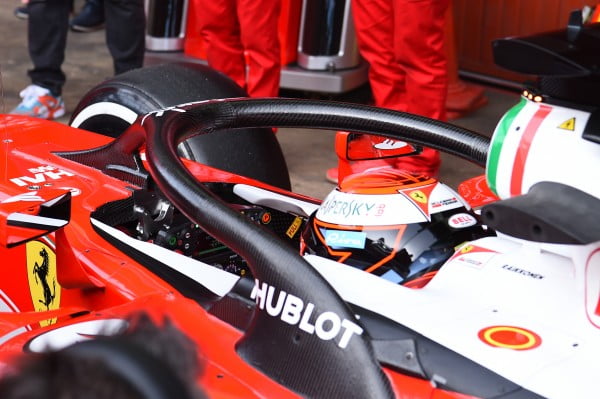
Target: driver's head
{"type": "Point", "coordinates": [393, 224]}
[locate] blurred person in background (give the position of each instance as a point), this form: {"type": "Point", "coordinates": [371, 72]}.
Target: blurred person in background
{"type": "Point", "coordinates": [404, 43]}
{"type": "Point", "coordinates": [89, 19]}
{"type": "Point", "coordinates": [48, 25]}
{"type": "Point", "coordinates": [241, 40]}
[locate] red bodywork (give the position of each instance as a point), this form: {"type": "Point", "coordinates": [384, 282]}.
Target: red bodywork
{"type": "Point", "coordinates": [81, 277]}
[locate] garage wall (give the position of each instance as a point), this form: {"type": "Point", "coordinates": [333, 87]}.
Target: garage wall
{"type": "Point", "coordinates": [478, 22]}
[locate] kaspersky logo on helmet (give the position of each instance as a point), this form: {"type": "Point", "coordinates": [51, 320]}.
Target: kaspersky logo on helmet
{"type": "Point", "coordinates": [294, 311]}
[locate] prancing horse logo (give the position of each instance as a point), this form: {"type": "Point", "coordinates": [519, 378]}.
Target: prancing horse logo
{"type": "Point", "coordinates": [43, 284]}
{"type": "Point", "coordinates": [41, 274]}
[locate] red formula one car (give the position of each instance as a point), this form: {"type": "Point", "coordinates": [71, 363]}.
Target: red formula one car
{"type": "Point", "coordinates": [391, 287]}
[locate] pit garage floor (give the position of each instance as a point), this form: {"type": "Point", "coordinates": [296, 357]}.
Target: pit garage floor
{"type": "Point", "coordinates": [308, 154]}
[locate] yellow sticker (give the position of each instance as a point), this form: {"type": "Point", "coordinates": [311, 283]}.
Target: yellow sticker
{"type": "Point", "coordinates": [43, 283]}
{"type": "Point", "coordinates": [419, 196]}
{"type": "Point", "coordinates": [294, 227]}
{"type": "Point", "coordinates": [568, 124]}
{"type": "Point", "coordinates": [467, 248]}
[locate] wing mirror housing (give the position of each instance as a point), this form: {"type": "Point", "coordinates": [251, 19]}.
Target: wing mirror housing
{"type": "Point", "coordinates": [352, 147]}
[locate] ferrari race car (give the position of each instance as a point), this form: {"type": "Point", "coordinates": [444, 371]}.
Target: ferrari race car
{"type": "Point", "coordinates": [393, 286]}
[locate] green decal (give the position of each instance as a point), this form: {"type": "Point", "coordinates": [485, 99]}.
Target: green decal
{"type": "Point", "coordinates": [497, 142]}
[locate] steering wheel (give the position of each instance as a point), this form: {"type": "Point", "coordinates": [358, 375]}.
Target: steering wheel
{"type": "Point", "coordinates": [303, 334]}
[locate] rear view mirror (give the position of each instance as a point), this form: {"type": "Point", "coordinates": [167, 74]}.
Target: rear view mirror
{"type": "Point", "coordinates": [350, 147]}
{"type": "Point", "coordinates": [360, 147]}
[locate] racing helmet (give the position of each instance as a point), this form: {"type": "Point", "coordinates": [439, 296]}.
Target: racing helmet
{"type": "Point", "coordinates": [400, 226]}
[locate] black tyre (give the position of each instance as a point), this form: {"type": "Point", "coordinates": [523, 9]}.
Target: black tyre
{"type": "Point", "coordinates": [113, 105]}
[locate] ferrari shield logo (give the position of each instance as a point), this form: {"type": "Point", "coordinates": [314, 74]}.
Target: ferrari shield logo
{"type": "Point", "coordinates": [419, 196]}
{"type": "Point", "coordinates": [41, 274]}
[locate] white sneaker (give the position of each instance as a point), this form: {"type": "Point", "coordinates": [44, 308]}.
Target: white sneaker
{"type": "Point", "coordinates": [38, 102]}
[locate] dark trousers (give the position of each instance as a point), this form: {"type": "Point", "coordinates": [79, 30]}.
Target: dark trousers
{"type": "Point", "coordinates": [48, 25]}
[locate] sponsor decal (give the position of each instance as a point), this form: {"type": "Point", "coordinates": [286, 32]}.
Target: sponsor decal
{"type": "Point", "coordinates": [371, 210]}
{"type": "Point", "coordinates": [510, 337]}
{"type": "Point", "coordinates": [41, 273]}
{"type": "Point", "coordinates": [389, 144]}
{"type": "Point", "coordinates": [348, 239]}
{"type": "Point", "coordinates": [40, 175]}
{"type": "Point", "coordinates": [266, 218]}
{"type": "Point", "coordinates": [177, 108]}
{"type": "Point", "coordinates": [380, 210]}
{"type": "Point", "coordinates": [471, 262]}
{"type": "Point", "coordinates": [472, 255]}
{"type": "Point", "coordinates": [568, 125]}
{"type": "Point", "coordinates": [461, 221]}
{"type": "Point", "coordinates": [466, 249]}
{"type": "Point", "coordinates": [294, 311]}
{"type": "Point", "coordinates": [444, 202]}
{"type": "Point", "coordinates": [347, 208]}
{"type": "Point", "coordinates": [523, 272]}
{"type": "Point", "coordinates": [294, 227]}
{"type": "Point", "coordinates": [418, 196]}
